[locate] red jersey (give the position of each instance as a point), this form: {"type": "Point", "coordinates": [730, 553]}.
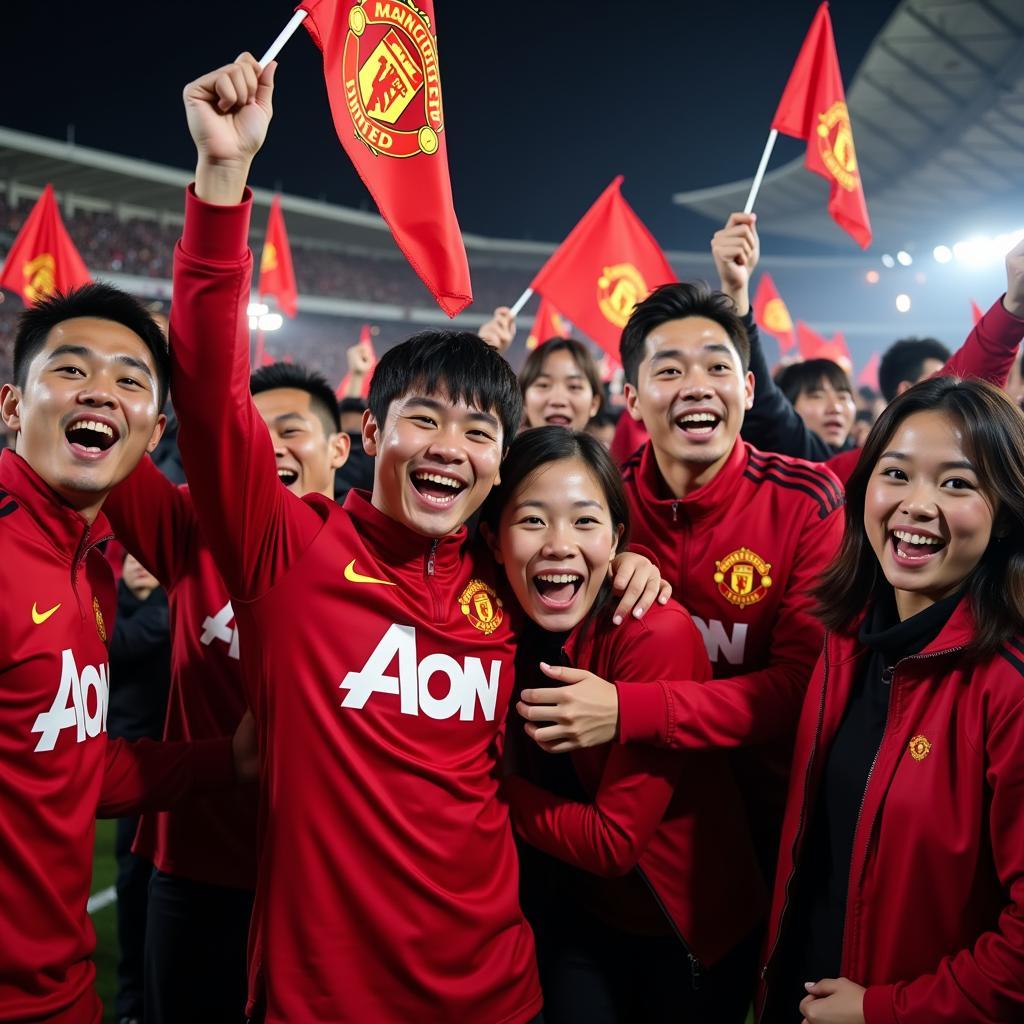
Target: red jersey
{"type": "Point", "coordinates": [60, 771]}
{"type": "Point", "coordinates": [381, 664]}
{"type": "Point", "coordinates": [210, 838]}
{"type": "Point", "coordinates": [935, 909]}
{"type": "Point", "coordinates": [742, 554]}
{"type": "Point", "coordinates": [675, 816]}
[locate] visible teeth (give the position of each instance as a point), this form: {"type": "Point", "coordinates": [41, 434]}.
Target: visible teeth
{"type": "Point", "coordinates": [559, 577]}
{"type": "Point", "coordinates": [916, 538]}
{"type": "Point", "coordinates": [700, 417]}
{"type": "Point", "coordinates": [436, 478]}
{"type": "Point", "coordinates": [102, 428]}
{"type": "Point", "coordinates": [287, 472]}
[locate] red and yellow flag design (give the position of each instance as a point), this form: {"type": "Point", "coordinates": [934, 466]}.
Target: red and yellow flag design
{"type": "Point", "coordinates": [772, 315]}
{"type": "Point", "coordinates": [547, 324]}
{"type": "Point", "coordinates": [277, 276]}
{"type": "Point", "coordinates": [384, 87]}
{"type": "Point", "coordinates": [43, 260]}
{"type": "Point", "coordinates": [813, 107]}
{"type": "Point", "coordinates": [608, 263]}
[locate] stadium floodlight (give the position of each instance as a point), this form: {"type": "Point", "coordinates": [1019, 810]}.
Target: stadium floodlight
{"type": "Point", "coordinates": [903, 303]}
{"type": "Point", "coordinates": [871, 277]}
{"type": "Point", "coordinates": [257, 309]}
{"type": "Point", "coordinates": [904, 258]}
{"type": "Point", "coordinates": [942, 253]}
{"type": "Point", "coordinates": [981, 250]}
{"type": "Point", "coordinates": [887, 261]}
{"type": "Point", "coordinates": [271, 322]}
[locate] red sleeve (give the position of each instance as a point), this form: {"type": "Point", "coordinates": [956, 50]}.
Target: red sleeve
{"type": "Point", "coordinates": [153, 519]}
{"type": "Point", "coordinates": [990, 348]}
{"type": "Point", "coordinates": [255, 527]}
{"type": "Point", "coordinates": [760, 706]}
{"type": "Point", "coordinates": [980, 985]}
{"type": "Point", "coordinates": [608, 837]}
{"type": "Point", "coordinates": [146, 775]}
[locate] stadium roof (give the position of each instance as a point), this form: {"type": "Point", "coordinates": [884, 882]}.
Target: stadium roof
{"type": "Point", "coordinates": [937, 108]}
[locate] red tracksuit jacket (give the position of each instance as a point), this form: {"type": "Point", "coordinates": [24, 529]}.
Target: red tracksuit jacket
{"type": "Point", "coordinates": [677, 816]}
{"type": "Point", "coordinates": [381, 664]}
{"type": "Point", "coordinates": [935, 911]}
{"type": "Point", "coordinates": [209, 838]}
{"type": "Point", "coordinates": [742, 553]}
{"type": "Point", "coordinates": [59, 771]}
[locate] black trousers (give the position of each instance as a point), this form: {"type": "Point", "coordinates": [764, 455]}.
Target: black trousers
{"type": "Point", "coordinates": [132, 887]}
{"type": "Point", "coordinates": [196, 936]}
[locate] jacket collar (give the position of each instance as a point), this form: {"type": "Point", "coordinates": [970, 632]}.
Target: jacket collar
{"type": "Point", "coordinates": [64, 527]}
{"type": "Point", "coordinates": [710, 500]}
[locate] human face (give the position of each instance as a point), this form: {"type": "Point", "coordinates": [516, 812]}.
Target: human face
{"type": "Point", "coordinates": [827, 411]}
{"type": "Point", "coordinates": [691, 394]}
{"type": "Point", "coordinates": [561, 396]}
{"type": "Point", "coordinates": [436, 461]}
{"type": "Point", "coordinates": [556, 540]}
{"type": "Point", "coordinates": [306, 455]}
{"type": "Point", "coordinates": [929, 368]}
{"type": "Point", "coordinates": [88, 411]}
{"type": "Point", "coordinates": [925, 515]}
{"type": "Point", "coordinates": [138, 579]}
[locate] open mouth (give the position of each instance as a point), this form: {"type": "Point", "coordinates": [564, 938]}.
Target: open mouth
{"type": "Point", "coordinates": [557, 420]}
{"type": "Point", "coordinates": [914, 548]}
{"type": "Point", "coordinates": [437, 488]}
{"type": "Point", "coordinates": [91, 437]}
{"type": "Point", "coordinates": [698, 424]}
{"type": "Point", "coordinates": [557, 589]}
{"type": "Point", "coordinates": [287, 476]}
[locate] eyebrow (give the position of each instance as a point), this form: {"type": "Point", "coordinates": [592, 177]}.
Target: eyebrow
{"type": "Point", "coordinates": [85, 353]}
{"type": "Point", "coordinates": [582, 503]}
{"type": "Point", "coordinates": [674, 353]}
{"type": "Point", "coordinates": [291, 416]}
{"type": "Point", "coordinates": [441, 407]}
{"type": "Point", "coordinates": [953, 464]}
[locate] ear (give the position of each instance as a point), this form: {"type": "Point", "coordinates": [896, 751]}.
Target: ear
{"type": "Point", "coordinates": [491, 540]}
{"type": "Point", "coordinates": [158, 432]}
{"type": "Point", "coordinates": [594, 406]}
{"type": "Point", "coordinates": [371, 433]}
{"type": "Point", "coordinates": [748, 391]}
{"type": "Point", "coordinates": [633, 402]}
{"type": "Point", "coordinates": [10, 406]}
{"type": "Point", "coordinates": [904, 385]}
{"type": "Point", "coordinates": [339, 446]}
{"type": "Point", "coordinates": [618, 540]}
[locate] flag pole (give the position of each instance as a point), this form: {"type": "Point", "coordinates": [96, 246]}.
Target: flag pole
{"type": "Point", "coordinates": [521, 301]}
{"type": "Point", "coordinates": [286, 33]}
{"type": "Point", "coordinates": [755, 186]}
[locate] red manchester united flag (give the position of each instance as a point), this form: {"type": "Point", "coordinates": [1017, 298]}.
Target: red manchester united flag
{"type": "Point", "coordinates": [547, 324]}
{"type": "Point", "coordinates": [384, 86]}
{"type": "Point", "coordinates": [43, 259]}
{"type": "Point", "coordinates": [771, 314]}
{"type": "Point", "coordinates": [277, 277]}
{"type": "Point", "coordinates": [607, 264]}
{"type": "Point", "coordinates": [813, 107]}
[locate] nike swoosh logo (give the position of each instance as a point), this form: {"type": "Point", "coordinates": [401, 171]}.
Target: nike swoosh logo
{"type": "Point", "coordinates": [356, 577]}
{"type": "Point", "coordinates": [39, 617]}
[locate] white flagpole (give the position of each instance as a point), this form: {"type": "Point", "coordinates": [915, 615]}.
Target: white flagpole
{"type": "Point", "coordinates": [286, 33]}
{"type": "Point", "coordinates": [762, 167]}
{"type": "Point", "coordinates": [521, 301]}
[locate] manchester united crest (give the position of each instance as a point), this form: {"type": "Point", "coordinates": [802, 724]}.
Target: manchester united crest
{"type": "Point", "coordinates": [743, 577]}
{"type": "Point", "coordinates": [392, 85]}
{"type": "Point", "coordinates": [619, 289]}
{"type": "Point", "coordinates": [40, 277]}
{"type": "Point", "coordinates": [776, 316]}
{"type": "Point", "coordinates": [920, 747]}
{"type": "Point", "coordinates": [482, 606]}
{"type": "Point", "coordinates": [835, 144]}
{"type": "Point", "coordinates": [101, 627]}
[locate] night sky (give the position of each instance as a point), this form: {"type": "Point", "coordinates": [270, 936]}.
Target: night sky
{"type": "Point", "coordinates": [544, 103]}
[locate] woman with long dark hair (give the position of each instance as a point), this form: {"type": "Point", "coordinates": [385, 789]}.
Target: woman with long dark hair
{"type": "Point", "coordinates": [640, 884]}
{"type": "Point", "coordinates": [900, 888]}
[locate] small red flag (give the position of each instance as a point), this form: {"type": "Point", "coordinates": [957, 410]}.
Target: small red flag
{"type": "Point", "coordinates": [384, 87]}
{"type": "Point", "coordinates": [366, 340]}
{"type": "Point", "coordinates": [608, 263]}
{"type": "Point", "coordinates": [547, 324]}
{"type": "Point", "coordinates": [868, 377]}
{"type": "Point", "coordinates": [813, 107]}
{"type": "Point", "coordinates": [43, 260]}
{"type": "Point", "coordinates": [772, 315]}
{"type": "Point", "coordinates": [816, 346]}
{"type": "Point", "coordinates": [976, 312]}
{"type": "Point", "coordinates": [277, 277]}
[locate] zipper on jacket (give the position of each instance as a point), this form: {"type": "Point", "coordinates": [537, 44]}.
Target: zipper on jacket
{"type": "Point", "coordinates": [432, 558]}
{"type": "Point", "coordinates": [675, 511]}
{"type": "Point", "coordinates": [696, 967]}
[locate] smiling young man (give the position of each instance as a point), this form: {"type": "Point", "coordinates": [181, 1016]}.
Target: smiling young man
{"type": "Point", "coordinates": [90, 377]}
{"type": "Point", "coordinates": [204, 850]}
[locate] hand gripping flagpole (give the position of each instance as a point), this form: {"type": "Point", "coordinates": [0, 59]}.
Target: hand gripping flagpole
{"type": "Point", "coordinates": [755, 186]}
{"type": "Point", "coordinates": [286, 33]}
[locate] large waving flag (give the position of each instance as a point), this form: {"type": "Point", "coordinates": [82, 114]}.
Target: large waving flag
{"type": "Point", "coordinates": [277, 277]}
{"type": "Point", "coordinates": [813, 108]}
{"type": "Point", "coordinates": [772, 315]}
{"type": "Point", "coordinates": [384, 87]}
{"type": "Point", "coordinates": [608, 263]}
{"type": "Point", "coordinates": [547, 324]}
{"type": "Point", "coordinates": [43, 260]}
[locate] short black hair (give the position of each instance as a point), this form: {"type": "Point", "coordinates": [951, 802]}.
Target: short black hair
{"type": "Point", "coordinates": [457, 364]}
{"type": "Point", "coordinates": [103, 302]}
{"type": "Point", "coordinates": [904, 361]}
{"type": "Point", "coordinates": [351, 405]}
{"type": "Point", "coordinates": [795, 379]}
{"type": "Point", "coordinates": [301, 378]}
{"type": "Point", "coordinates": [534, 365]}
{"type": "Point", "coordinates": [677, 302]}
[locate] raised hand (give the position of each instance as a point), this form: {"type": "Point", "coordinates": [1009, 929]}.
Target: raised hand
{"type": "Point", "coordinates": [736, 250]}
{"type": "Point", "coordinates": [499, 331]}
{"type": "Point", "coordinates": [359, 359]}
{"type": "Point", "coordinates": [1014, 301]}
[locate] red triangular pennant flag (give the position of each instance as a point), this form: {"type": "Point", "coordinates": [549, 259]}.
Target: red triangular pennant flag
{"type": "Point", "coordinates": [43, 260]}
{"type": "Point", "coordinates": [868, 377]}
{"type": "Point", "coordinates": [277, 277]}
{"type": "Point", "coordinates": [608, 263]}
{"type": "Point", "coordinates": [771, 314]}
{"type": "Point", "coordinates": [547, 324]}
{"type": "Point", "coordinates": [815, 346]}
{"type": "Point", "coordinates": [384, 87]}
{"type": "Point", "coordinates": [813, 108]}
{"type": "Point", "coordinates": [976, 312]}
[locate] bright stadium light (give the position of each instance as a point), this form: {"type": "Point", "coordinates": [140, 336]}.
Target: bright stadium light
{"type": "Point", "coordinates": [887, 261]}
{"type": "Point", "coordinates": [904, 258]}
{"type": "Point", "coordinates": [942, 253]}
{"type": "Point", "coordinates": [257, 309]}
{"type": "Point", "coordinates": [981, 250]}
{"type": "Point", "coordinates": [271, 322]}
{"type": "Point", "coordinates": [871, 277]}
{"type": "Point", "coordinates": [903, 303]}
